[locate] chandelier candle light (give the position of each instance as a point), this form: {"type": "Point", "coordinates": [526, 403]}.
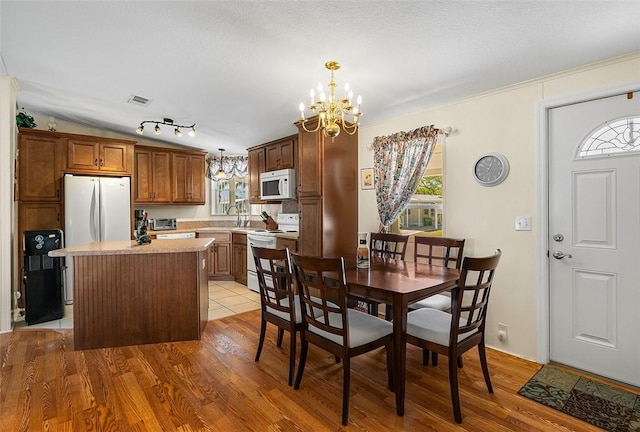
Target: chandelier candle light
{"type": "Point", "coordinates": [168, 122]}
{"type": "Point", "coordinates": [331, 111]}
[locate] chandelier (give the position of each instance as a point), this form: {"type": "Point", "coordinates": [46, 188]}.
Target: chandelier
{"type": "Point", "coordinates": [168, 122]}
{"type": "Point", "coordinates": [331, 111]}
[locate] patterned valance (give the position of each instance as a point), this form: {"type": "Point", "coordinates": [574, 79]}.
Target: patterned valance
{"type": "Point", "coordinates": [232, 166]}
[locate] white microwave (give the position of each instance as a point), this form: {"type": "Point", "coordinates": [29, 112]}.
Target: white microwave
{"type": "Point", "coordinates": [278, 185]}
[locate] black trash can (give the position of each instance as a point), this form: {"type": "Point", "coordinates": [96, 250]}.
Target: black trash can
{"type": "Point", "coordinates": [42, 276]}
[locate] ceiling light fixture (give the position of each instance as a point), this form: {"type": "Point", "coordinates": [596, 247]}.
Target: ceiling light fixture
{"type": "Point", "coordinates": [331, 111]}
{"type": "Point", "coordinates": [221, 175]}
{"type": "Point", "coordinates": [168, 122]}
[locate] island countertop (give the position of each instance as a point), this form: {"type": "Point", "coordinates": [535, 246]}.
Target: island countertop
{"type": "Point", "coordinates": [127, 247]}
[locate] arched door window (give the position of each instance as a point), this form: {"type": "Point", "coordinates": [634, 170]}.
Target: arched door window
{"type": "Point", "coordinates": [614, 137]}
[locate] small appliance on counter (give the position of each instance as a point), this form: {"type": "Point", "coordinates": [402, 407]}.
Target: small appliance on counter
{"type": "Point", "coordinates": [164, 224]}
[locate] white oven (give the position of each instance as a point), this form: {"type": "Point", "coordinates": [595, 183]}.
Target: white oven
{"type": "Point", "coordinates": [287, 222]}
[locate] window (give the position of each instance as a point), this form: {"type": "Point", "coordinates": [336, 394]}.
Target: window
{"type": "Point", "coordinates": [424, 211]}
{"type": "Point", "coordinates": [613, 137]}
{"type": "Point", "coordinates": [228, 195]}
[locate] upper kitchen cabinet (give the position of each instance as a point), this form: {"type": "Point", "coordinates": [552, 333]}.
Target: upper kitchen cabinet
{"type": "Point", "coordinates": [152, 183]}
{"type": "Point", "coordinates": [271, 156]}
{"type": "Point", "coordinates": [256, 167]}
{"type": "Point", "coordinates": [41, 163]}
{"type": "Point", "coordinates": [310, 155]}
{"type": "Point", "coordinates": [104, 155]}
{"type": "Point", "coordinates": [188, 177]}
{"type": "Point", "coordinates": [280, 154]}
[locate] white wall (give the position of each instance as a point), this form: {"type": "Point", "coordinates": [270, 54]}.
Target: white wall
{"type": "Point", "coordinates": [505, 121]}
{"type": "Point", "coordinates": [8, 88]}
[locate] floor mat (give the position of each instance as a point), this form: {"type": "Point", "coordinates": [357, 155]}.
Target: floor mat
{"type": "Point", "coordinates": [601, 405]}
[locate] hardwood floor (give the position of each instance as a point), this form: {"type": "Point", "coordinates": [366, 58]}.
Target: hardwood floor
{"type": "Point", "coordinates": [214, 384]}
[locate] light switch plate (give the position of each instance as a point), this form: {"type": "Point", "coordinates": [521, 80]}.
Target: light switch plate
{"type": "Point", "coordinates": [523, 223]}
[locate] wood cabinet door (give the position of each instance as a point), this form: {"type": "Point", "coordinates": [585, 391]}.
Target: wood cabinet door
{"type": "Point", "coordinates": [152, 176]}
{"type": "Point", "coordinates": [309, 172]}
{"type": "Point", "coordinates": [280, 155]}
{"type": "Point", "coordinates": [196, 177]}
{"type": "Point", "coordinates": [83, 154]}
{"type": "Point", "coordinates": [256, 167]}
{"type": "Point", "coordinates": [113, 157]}
{"type": "Point", "coordinates": [188, 178]}
{"type": "Point", "coordinates": [287, 153]}
{"type": "Point", "coordinates": [37, 216]}
{"type": "Point", "coordinates": [143, 183]}
{"type": "Point", "coordinates": [310, 227]}
{"type": "Point", "coordinates": [239, 265]}
{"type": "Point", "coordinates": [161, 175]}
{"type": "Point", "coordinates": [40, 168]}
{"type": "Point", "coordinates": [222, 258]}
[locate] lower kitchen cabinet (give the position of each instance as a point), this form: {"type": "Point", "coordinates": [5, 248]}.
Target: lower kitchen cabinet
{"type": "Point", "coordinates": [219, 255]}
{"type": "Point", "coordinates": [239, 252]}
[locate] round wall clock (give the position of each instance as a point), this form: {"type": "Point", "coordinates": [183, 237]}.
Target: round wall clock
{"type": "Point", "coordinates": [491, 169]}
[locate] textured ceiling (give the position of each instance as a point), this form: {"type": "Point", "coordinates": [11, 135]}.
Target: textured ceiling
{"type": "Point", "coordinates": [239, 69]}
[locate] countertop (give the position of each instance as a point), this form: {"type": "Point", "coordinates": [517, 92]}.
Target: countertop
{"type": "Point", "coordinates": [126, 247]}
{"type": "Point", "coordinates": [223, 229]}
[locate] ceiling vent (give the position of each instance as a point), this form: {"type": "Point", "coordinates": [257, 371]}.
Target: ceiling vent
{"type": "Point", "coordinates": [138, 100]}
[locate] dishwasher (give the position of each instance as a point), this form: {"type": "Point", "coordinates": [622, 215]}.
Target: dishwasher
{"type": "Point", "coordinates": [174, 236]}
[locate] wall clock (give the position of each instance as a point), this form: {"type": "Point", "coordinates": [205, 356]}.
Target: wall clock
{"type": "Point", "coordinates": [491, 169]}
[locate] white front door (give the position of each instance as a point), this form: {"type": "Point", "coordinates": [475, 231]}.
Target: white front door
{"type": "Point", "coordinates": [594, 221]}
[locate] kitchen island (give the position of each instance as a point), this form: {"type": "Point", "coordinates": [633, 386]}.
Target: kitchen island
{"type": "Point", "coordinates": [129, 294]}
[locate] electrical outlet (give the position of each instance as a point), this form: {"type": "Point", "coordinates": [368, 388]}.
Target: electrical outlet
{"type": "Point", "coordinates": [503, 333]}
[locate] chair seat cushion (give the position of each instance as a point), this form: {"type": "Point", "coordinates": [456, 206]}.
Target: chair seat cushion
{"type": "Point", "coordinates": [433, 325]}
{"type": "Point", "coordinates": [438, 301]}
{"type": "Point", "coordinates": [363, 328]}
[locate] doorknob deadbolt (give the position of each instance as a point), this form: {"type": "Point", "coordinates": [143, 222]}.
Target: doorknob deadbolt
{"type": "Point", "coordinates": [558, 237]}
{"type": "Point", "coordinates": [559, 255]}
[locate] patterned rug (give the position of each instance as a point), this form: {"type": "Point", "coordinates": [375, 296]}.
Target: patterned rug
{"type": "Point", "coordinates": [601, 405]}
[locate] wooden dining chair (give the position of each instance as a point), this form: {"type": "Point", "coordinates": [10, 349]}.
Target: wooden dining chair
{"type": "Point", "coordinates": [385, 245]}
{"type": "Point", "coordinates": [330, 325]}
{"type": "Point", "coordinates": [280, 306]}
{"type": "Point", "coordinates": [441, 251]}
{"type": "Point", "coordinates": [454, 333]}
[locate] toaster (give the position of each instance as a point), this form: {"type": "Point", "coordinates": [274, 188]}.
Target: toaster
{"type": "Point", "coordinates": [163, 224]}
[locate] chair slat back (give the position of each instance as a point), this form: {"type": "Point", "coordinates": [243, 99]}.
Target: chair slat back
{"type": "Point", "coordinates": [442, 251]}
{"type": "Point", "coordinates": [386, 245]}
{"type": "Point", "coordinates": [274, 279]}
{"type": "Point", "coordinates": [319, 293]}
{"type": "Point", "coordinates": [471, 296]}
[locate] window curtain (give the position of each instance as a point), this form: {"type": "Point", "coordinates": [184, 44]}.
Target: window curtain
{"type": "Point", "coordinates": [231, 165]}
{"type": "Point", "coordinates": [399, 162]}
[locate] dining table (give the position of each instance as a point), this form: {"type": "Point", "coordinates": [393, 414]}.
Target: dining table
{"type": "Point", "coordinates": [399, 284]}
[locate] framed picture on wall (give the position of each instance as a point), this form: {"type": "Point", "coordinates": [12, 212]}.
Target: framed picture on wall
{"type": "Point", "coordinates": [366, 178]}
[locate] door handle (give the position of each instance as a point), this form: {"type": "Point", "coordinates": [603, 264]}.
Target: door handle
{"type": "Point", "coordinates": [559, 255]}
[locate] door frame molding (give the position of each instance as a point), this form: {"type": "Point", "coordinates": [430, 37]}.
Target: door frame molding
{"type": "Point", "coordinates": [542, 192]}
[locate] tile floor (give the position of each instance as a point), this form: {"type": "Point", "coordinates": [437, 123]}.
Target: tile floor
{"type": "Point", "coordinates": [225, 298]}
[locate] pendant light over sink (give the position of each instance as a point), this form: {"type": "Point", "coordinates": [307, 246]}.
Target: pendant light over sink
{"type": "Point", "coordinates": [221, 175]}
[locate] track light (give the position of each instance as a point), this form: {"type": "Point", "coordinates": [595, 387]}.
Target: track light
{"type": "Point", "coordinates": [168, 122]}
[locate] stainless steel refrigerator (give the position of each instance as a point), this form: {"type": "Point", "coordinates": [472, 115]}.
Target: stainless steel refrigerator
{"type": "Point", "coordinates": [95, 209]}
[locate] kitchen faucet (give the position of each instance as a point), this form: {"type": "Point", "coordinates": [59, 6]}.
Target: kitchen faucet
{"type": "Point", "coordinates": [237, 212]}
